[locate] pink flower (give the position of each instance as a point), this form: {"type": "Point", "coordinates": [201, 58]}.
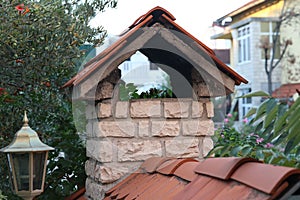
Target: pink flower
{"type": "Point", "coordinates": [245, 120]}
{"type": "Point", "coordinates": [226, 120]}
{"type": "Point", "coordinates": [259, 140]}
{"type": "Point", "coordinates": [222, 136]}
{"type": "Point", "coordinates": [229, 115]}
{"type": "Point", "coordinates": [20, 7]}
{"type": "Point", "coordinates": [269, 145]}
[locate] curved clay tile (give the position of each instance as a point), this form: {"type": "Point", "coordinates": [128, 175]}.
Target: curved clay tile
{"type": "Point", "coordinates": [186, 171]}
{"type": "Point", "coordinates": [151, 164]}
{"type": "Point", "coordinates": [169, 167]}
{"type": "Point", "coordinates": [153, 11]}
{"type": "Point", "coordinates": [263, 177]}
{"type": "Point", "coordinates": [221, 168]}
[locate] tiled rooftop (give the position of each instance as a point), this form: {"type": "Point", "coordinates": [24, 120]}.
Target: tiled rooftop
{"type": "Point", "coordinates": [150, 19]}
{"type": "Point", "coordinates": [286, 90]}
{"type": "Point", "coordinates": [212, 178]}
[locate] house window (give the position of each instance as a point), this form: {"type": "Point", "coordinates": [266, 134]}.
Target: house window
{"type": "Point", "coordinates": [126, 66]}
{"type": "Point", "coordinates": [246, 103]}
{"type": "Point", "coordinates": [266, 39]}
{"type": "Point", "coordinates": [244, 44]}
{"type": "Point", "coordinates": [153, 66]}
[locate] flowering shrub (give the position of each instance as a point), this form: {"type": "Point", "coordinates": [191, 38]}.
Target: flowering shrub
{"type": "Point", "coordinates": [246, 143]}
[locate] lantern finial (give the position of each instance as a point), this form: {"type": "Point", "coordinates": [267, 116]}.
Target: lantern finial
{"type": "Point", "coordinates": [25, 119]}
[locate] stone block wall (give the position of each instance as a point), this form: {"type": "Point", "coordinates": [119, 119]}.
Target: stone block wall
{"type": "Point", "coordinates": [122, 134]}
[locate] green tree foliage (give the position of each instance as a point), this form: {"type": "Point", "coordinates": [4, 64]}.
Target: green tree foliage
{"type": "Point", "coordinates": [39, 51]}
{"type": "Point", "coordinates": [272, 134]}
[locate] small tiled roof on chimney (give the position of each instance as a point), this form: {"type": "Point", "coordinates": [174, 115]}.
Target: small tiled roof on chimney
{"type": "Point", "coordinates": [168, 34]}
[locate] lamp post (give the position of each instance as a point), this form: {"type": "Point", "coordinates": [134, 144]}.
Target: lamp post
{"type": "Point", "coordinates": [27, 157]}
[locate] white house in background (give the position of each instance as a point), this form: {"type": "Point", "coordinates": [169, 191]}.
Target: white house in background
{"type": "Point", "coordinates": [245, 27]}
{"type": "Point", "coordinates": [138, 69]}
{"type": "Point", "coordinates": [143, 73]}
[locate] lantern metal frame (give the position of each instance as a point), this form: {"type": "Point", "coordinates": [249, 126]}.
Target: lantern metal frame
{"type": "Point", "coordinates": [27, 173]}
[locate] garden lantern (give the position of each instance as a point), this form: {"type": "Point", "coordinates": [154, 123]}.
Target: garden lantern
{"type": "Point", "coordinates": [27, 158]}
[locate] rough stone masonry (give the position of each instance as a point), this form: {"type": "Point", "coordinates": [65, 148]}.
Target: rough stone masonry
{"type": "Point", "coordinates": [122, 134]}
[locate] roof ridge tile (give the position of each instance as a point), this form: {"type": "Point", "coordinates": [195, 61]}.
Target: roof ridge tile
{"type": "Point", "coordinates": [264, 177]}
{"type": "Point", "coordinates": [186, 171]}
{"type": "Point", "coordinates": [151, 164]}
{"type": "Point", "coordinates": [221, 168]}
{"type": "Point", "coordinates": [150, 12]}
{"type": "Point", "coordinates": [169, 167]}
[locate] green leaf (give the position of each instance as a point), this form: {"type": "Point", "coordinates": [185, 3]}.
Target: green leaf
{"type": "Point", "coordinates": [215, 150]}
{"type": "Point", "coordinates": [259, 154]}
{"type": "Point", "coordinates": [251, 112]}
{"type": "Point", "coordinates": [293, 120]}
{"type": "Point", "coordinates": [271, 114]}
{"type": "Point", "coordinates": [294, 134]}
{"type": "Point", "coordinates": [261, 110]}
{"type": "Point", "coordinates": [225, 151]}
{"type": "Point", "coordinates": [280, 122]}
{"type": "Point", "coordinates": [289, 146]}
{"type": "Point", "coordinates": [269, 130]}
{"type": "Point", "coordinates": [246, 149]}
{"type": "Point", "coordinates": [259, 127]}
{"type": "Point", "coordinates": [235, 151]}
{"type": "Point", "coordinates": [256, 94]}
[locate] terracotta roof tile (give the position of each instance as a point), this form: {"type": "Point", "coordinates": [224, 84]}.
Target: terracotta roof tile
{"type": "Point", "coordinates": [123, 183]}
{"type": "Point", "coordinates": [221, 168]}
{"type": "Point", "coordinates": [162, 16]}
{"type": "Point", "coordinates": [286, 90]}
{"type": "Point", "coordinates": [186, 171]}
{"type": "Point", "coordinates": [170, 166]}
{"type": "Point", "coordinates": [180, 179]}
{"type": "Point", "coordinates": [266, 178]}
{"type": "Point", "coordinates": [151, 164]}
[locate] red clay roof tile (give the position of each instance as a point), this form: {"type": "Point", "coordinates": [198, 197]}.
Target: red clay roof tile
{"type": "Point", "coordinates": [250, 180]}
{"type": "Point", "coordinates": [123, 183]}
{"type": "Point", "coordinates": [266, 178]}
{"type": "Point", "coordinates": [170, 166]}
{"type": "Point", "coordinates": [151, 164]}
{"type": "Point", "coordinates": [221, 168]}
{"type": "Point", "coordinates": [286, 90]}
{"type": "Point", "coordinates": [162, 16]}
{"type": "Point", "coordinates": [186, 171]}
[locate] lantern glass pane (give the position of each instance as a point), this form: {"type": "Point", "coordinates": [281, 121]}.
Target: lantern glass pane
{"type": "Point", "coordinates": [11, 174]}
{"type": "Point", "coordinates": [38, 169]}
{"type": "Point", "coordinates": [21, 166]}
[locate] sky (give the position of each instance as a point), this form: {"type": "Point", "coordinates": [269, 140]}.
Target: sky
{"type": "Point", "coordinates": [195, 16]}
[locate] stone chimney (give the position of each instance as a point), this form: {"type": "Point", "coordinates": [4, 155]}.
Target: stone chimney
{"type": "Point", "coordinates": [122, 134]}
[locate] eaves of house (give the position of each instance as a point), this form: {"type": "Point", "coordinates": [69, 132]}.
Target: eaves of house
{"type": "Point", "coordinates": [243, 15]}
{"type": "Point", "coordinates": [245, 10]}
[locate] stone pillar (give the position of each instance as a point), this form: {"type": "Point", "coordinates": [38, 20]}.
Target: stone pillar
{"type": "Point", "coordinates": [122, 134]}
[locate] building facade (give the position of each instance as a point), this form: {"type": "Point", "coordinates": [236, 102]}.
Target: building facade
{"type": "Point", "coordinates": [249, 28]}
